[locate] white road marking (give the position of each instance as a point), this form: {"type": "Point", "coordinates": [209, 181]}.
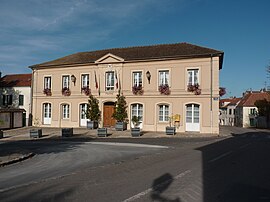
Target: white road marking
{"type": "Point", "coordinates": [128, 144]}
{"type": "Point", "coordinates": [220, 156]}
{"type": "Point", "coordinates": [143, 193]}
{"type": "Point", "coordinates": [244, 146]}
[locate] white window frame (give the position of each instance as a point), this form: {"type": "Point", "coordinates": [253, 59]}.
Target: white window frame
{"type": "Point", "coordinates": [65, 81]}
{"type": "Point", "coordinates": [47, 82]}
{"type": "Point", "coordinates": [192, 73]}
{"type": "Point", "coordinates": [163, 77]}
{"type": "Point", "coordinates": [110, 80]}
{"type": "Point", "coordinates": [137, 78]}
{"type": "Point", "coordinates": [65, 111]}
{"type": "Point", "coordinates": [163, 112]}
{"type": "Point", "coordinates": [85, 81]}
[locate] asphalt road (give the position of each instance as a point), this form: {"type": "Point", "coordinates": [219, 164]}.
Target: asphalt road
{"type": "Point", "coordinates": [220, 170]}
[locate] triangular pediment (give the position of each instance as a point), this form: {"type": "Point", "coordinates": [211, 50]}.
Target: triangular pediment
{"type": "Point", "coordinates": [109, 58]}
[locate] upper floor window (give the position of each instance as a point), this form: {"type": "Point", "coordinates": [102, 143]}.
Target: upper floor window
{"type": "Point", "coordinates": [109, 80]}
{"type": "Point", "coordinates": [47, 82]}
{"type": "Point", "coordinates": [65, 111]}
{"type": "Point", "coordinates": [163, 77]}
{"type": "Point", "coordinates": [230, 111]}
{"type": "Point", "coordinates": [163, 114]}
{"type": "Point", "coordinates": [7, 100]}
{"type": "Point", "coordinates": [85, 80]}
{"type": "Point", "coordinates": [137, 78]}
{"type": "Point", "coordinates": [253, 111]}
{"type": "Point", "coordinates": [65, 82]}
{"type": "Point", "coordinates": [193, 75]}
{"type": "Point", "coordinates": [21, 100]}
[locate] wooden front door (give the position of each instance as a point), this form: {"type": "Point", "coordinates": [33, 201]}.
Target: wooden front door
{"type": "Point", "coordinates": [108, 120]}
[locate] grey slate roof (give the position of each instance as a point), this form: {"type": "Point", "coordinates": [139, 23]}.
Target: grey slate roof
{"type": "Point", "coordinates": [184, 50]}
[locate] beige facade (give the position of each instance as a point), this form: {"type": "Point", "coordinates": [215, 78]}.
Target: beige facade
{"type": "Point", "coordinates": [154, 107]}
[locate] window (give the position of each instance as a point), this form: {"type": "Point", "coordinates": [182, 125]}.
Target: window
{"type": "Point", "coordinates": [65, 81]}
{"type": "Point", "coordinates": [21, 100]}
{"type": "Point", "coordinates": [47, 82]}
{"type": "Point", "coordinates": [47, 110]}
{"type": "Point", "coordinates": [65, 111]}
{"type": "Point", "coordinates": [109, 80]}
{"type": "Point", "coordinates": [163, 77]}
{"type": "Point", "coordinates": [137, 78]}
{"type": "Point", "coordinates": [193, 75]}
{"type": "Point", "coordinates": [137, 110]}
{"type": "Point", "coordinates": [253, 111]}
{"type": "Point", "coordinates": [85, 80]}
{"type": "Point", "coordinates": [230, 111]}
{"type": "Point", "coordinates": [163, 114]}
{"type": "Point", "coordinates": [7, 100]}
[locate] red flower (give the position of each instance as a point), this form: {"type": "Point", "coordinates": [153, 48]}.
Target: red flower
{"type": "Point", "coordinates": [164, 89]}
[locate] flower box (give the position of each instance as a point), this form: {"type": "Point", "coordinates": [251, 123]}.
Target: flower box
{"type": "Point", "coordinates": [137, 90]}
{"type": "Point", "coordinates": [66, 91]}
{"type": "Point", "coordinates": [86, 90]}
{"type": "Point", "coordinates": [164, 89]}
{"type": "Point", "coordinates": [195, 88]}
{"type": "Point", "coordinates": [47, 91]}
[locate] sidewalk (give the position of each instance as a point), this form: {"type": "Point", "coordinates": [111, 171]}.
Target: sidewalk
{"type": "Point", "coordinates": [22, 134]}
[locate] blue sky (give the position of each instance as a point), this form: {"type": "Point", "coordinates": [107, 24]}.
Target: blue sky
{"type": "Point", "coordinates": [35, 31]}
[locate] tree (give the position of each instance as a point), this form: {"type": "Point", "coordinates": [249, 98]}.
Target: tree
{"type": "Point", "coordinates": [120, 113]}
{"type": "Point", "coordinates": [93, 113]}
{"type": "Point", "coordinates": [263, 108]}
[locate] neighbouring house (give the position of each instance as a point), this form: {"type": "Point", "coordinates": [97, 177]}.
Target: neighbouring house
{"type": "Point", "coordinates": [227, 111]}
{"type": "Point", "coordinates": [246, 112]}
{"type": "Point", "coordinates": [15, 99]}
{"type": "Point", "coordinates": [158, 81]}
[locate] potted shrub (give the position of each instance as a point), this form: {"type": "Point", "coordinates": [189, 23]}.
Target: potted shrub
{"type": "Point", "coordinates": [120, 113]}
{"type": "Point", "coordinates": [136, 131]}
{"type": "Point", "coordinates": [1, 132]}
{"type": "Point", "coordinates": [36, 132]}
{"type": "Point", "coordinates": [67, 132]}
{"type": "Point", "coordinates": [102, 132]}
{"type": "Point", "coordinates": [170, 130]}
{"type": "Point", "coordinates": [93, 112]}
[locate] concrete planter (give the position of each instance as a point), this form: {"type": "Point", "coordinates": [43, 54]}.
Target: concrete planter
{"type": "Point", "coordinates": [92, 124]}
{"type": "Point", "coordinates": [120, 126]}
{"type": "Point", "coordinates": [35, 133]}
{"type": "Point", "coordinates": [170, 130]}
{"type": "Point", "coordinates": [1, 134]}
{"type": "Point", "coordinates": [136, 132]}
{"type": "Point", "coordinates": [67, 132]}
{"type": "Point", "coordinates": [102, 132]}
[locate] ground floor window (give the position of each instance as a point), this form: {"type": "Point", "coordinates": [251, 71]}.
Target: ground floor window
{"type": "Point", "coordinates": [163, 114]}
{"type": "Point", "coordinates": [65, 111]}
{"type": "Point", "coordinates": [47, 110]}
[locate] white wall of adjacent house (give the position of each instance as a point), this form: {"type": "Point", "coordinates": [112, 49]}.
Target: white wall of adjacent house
{"type": "Point", "coordinates": [249, 114]}
{"type": "Point", "coordinates": [23, 93]}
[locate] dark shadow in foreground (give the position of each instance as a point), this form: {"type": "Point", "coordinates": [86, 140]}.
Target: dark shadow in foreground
{"type": "Point", "coordinates": [237, 169]}
{"type": "Point", "coordinates": [159, 186]}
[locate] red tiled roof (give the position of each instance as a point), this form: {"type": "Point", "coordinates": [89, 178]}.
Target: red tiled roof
{"type": "Point", "coordinates": [183, 50]}
{"type": "Point", "coordinates": [230, 101]}
{"type": "Point", "coordinates": [250, 98]}
{"type": "Point", "coordinates": [16, 80]}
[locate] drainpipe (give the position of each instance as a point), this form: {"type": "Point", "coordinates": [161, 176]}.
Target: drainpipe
{"type": "Point", "coordinates": [211, 95]}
